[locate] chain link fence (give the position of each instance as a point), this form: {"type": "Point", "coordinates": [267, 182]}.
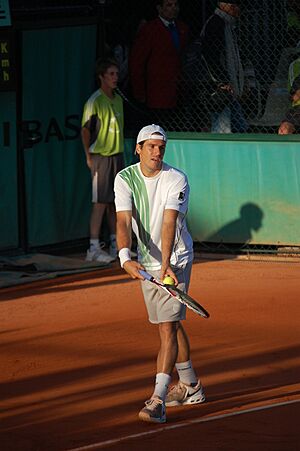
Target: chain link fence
{"type": "Point", "coordinates": [212, 83]}
{"type": "Point", "coordinates": [233, 77]}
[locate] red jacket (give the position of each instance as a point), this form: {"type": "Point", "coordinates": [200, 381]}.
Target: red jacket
{"type": "Point", "coordinates": [154, 64]}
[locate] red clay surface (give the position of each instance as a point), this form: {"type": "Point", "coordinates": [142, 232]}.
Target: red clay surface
{"type": "Point", "coordinates": [78, 362]}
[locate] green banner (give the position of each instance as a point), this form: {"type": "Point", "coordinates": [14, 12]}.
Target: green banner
{"type": "Point", "coordinates": [58, 77]}
{"type": "Point", "coordinates": [8, 172]}
{"type": "Point", "coordinates": [241, 191]}
{"type": "Point", "coordinates": [5, 20]}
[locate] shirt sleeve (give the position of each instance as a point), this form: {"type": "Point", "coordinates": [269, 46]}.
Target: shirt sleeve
{"type": "Point", "coordinates": [178, 195]}
{"type": "Point", "coordinates": [89, 115]}
{"type": "Point", "coordinates": [123, 194]}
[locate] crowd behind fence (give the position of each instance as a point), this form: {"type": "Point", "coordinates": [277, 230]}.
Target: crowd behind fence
{"type": "Point", "coordinates": [268, 32]}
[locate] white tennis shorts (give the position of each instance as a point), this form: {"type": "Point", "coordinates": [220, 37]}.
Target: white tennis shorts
{"type": "Point", "coordinates": [162, 307]}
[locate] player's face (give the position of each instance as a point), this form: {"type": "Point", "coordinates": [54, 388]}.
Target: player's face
{"type": "Point", "coordinates": [110, 78]}
{"type": "Point", "coordinates": [169, 9]}
{"type": "Point", "coordinates": [151, 156]}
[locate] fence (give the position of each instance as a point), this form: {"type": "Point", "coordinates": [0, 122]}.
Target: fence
{"type": "Point", "coordinates": [267, 35]}
{"type": "Point", "coordinates": [42, 182]}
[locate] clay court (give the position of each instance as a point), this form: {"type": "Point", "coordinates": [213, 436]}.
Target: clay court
{"type": "Point", "coordinates": [78, 361]}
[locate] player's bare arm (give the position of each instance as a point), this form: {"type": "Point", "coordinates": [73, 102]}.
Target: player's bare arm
{"type": "Point", "coordinates": [167, 243]}
{"type": "Point", "coordinates": [85, 137]}
{"type": "Point", "coordinates": [124, 233]}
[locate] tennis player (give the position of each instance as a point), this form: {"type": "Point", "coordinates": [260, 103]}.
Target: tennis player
{"type": "Point", "coordinates": [151, 199]}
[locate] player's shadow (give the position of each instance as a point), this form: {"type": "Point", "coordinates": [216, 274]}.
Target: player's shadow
{"type": "Point", "coordinates": [239, 231]}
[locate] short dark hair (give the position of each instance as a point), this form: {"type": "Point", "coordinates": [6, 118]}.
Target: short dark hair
{"type": "Point", "coordinates": [102, 64]}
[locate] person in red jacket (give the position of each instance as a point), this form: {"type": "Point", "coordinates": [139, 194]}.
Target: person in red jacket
{"type": "Point", "coordinates": [154, 63]}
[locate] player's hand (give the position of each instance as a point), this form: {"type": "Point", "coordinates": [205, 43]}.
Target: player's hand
{"type": "Point", "coordinates": [168, 272]}
{"type": "Point", "coordinates": [132, 268]}
{"type": "Point", "coordinates": [89, 161]}
{"type": "Point", "coordinates": [226, 87]}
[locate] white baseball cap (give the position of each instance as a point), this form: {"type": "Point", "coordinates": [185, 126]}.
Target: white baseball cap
{"type": "Point", "coordinates": [151, 132]}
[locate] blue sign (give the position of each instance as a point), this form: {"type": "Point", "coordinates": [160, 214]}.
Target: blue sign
{"type": "Point", "coordinates": [7, 61]}
{"type": "Point", "coordinates": [4, 14]}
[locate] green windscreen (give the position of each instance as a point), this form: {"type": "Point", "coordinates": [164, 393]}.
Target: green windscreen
{"type": "Point", "coordinates": [241, 191]}
{"type": "Point", "coordinates": [58, 77]}
{"type": "Point", "coordinates": [8, 172]}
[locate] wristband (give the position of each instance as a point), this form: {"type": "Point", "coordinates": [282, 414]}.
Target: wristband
{"type": "Point", "coordinates": [124, 256]}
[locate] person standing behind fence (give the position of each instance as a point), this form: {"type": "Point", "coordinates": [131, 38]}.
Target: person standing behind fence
{"type": "Point", "coordinates": [103, 142]}
{"type": "Point", "coordinates": [291, 122]}
{"type": "Point", "coordinates": [221, 52]}
{"type": "Point", "coordinates": [155, 57]}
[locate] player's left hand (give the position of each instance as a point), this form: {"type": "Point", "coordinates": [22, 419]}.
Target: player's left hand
{"type": "Point", "coordinates": [168, 272]}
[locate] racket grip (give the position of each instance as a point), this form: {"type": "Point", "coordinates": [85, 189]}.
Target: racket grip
{"type": "Point", "coordinates": [145, 274]}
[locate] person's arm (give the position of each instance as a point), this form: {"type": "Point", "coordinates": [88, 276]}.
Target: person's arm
{"type": "Point", "coordinates": [214, 51]}
{"type": "Point", "coordinates": [124, 233]}
{"type": "Point", "coordinates": [85, 138]}
{"type": "Point", "coordinates": [167, 243]}
{"type": "Point", "coordinates": [137, 63]}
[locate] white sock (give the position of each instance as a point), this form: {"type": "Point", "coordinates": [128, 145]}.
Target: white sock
{"type": "Point", "coordinates": [94, 243]}
{"type": "Point", "coordinates": [186, 373]}
{"type": "Point", "coordinates": [162, 382]}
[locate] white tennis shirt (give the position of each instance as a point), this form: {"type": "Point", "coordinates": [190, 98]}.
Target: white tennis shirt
{"type": "Point", "coordinates": [147, 198]}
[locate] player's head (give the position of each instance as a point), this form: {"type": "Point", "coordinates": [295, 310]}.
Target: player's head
{"type": "Point", "coordinates": [231, 7]}
{"type": "Point", "coordinates": [150, 146]}
{"type": "Point", "coordinates": [168, 9]}
{"type": "Point", "coordinates": [107, 72]}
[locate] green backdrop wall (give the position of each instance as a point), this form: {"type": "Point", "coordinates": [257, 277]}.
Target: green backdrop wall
{"type": "Point", "coordinates": [8, 172]}
{"type": "Point", "coordinates": [58, 77]}
{"type": "Point", "coordinates": [241, 191]}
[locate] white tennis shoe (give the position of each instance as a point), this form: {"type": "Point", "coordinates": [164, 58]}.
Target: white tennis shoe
{"type": "Point", "coordinates": [182, 394]}
{"type": "Point", "coordinates": [98, 255]}
{"type": "Point", "coordinates": [154, 411]}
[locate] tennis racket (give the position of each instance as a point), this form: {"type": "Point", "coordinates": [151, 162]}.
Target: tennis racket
{"type": "Point", "coordinates": [178, 294]}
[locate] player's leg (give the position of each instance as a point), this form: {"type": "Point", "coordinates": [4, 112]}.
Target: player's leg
{"type": "Point", "coordinates": [95, 251]}
{"type": "Point", "coordinates": [115, 164]}
{"type": "Point", "coordinates": [189, 389]}
{"type": "Point", "coordinates": [154, 411]}
{"type": "Point", "coordinates": [165, 313]}
{"type": "Point", "coordinates": [96, 219]}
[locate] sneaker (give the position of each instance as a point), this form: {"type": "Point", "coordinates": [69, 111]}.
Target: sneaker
{"type": "Point", "coordinates": [182, 394]}
{"type": "Point", "coordinates": [154, 412]}
{"type": "Point", "coordinates": [98, 255]}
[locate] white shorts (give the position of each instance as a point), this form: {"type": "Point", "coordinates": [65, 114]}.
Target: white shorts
{"type": "Point", "coordinates": [160, 305]}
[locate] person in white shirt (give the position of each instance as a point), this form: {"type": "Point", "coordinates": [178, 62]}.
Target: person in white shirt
{"type": "Point", "coordinates": [151, 200]}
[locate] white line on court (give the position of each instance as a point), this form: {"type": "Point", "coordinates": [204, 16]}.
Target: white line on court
{"type": "Point", "coordinates": [181, 425]}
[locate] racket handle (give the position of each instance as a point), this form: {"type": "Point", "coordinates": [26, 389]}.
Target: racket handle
{"type": "Point", "coordinates": [145, 274]}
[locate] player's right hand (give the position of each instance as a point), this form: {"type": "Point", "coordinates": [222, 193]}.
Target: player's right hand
{"type": "Point", "coordinates": [132, 267]}
{"type": "Point", "coordinates": [89, 161]}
